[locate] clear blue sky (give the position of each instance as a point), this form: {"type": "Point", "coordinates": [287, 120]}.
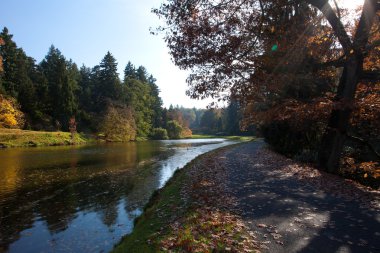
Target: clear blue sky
{"type": "Point", "coordinates": [84, 30]}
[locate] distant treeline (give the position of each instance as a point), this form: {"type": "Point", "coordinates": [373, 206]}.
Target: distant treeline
{"type": "Point", "coordinates": [219, 121]}
{"type": "Point", "coordinates": [46, 95]}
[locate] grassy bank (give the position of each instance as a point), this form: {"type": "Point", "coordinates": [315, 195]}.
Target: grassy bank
{"type": "Point", "coordinates": [187, 214]}
{"type": "Point", "coordinates": [25, 138]}
{"type": "Point", "coordinates": [164, 205]}
{"type": "Point", "coordinates": [230, 137]}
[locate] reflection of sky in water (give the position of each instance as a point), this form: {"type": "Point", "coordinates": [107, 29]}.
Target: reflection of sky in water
{"type": "Point", "coordinates": [184, 155]}
{"type": "Point", "coordinates": [86, 233]}
{"type": "Point", "coordinates": [83, 199]}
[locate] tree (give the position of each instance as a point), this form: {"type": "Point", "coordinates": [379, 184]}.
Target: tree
{"type": "Point", "coordinates": [129, 71]}
{"type": "Point", "coordinates": [354, 51]}
{"type": "Point", "coordinates": [10, 55]}
{"type": "Point", "coordinates": [233, 46]}
{"type": "Point", "coordinates": [108, 85]}
{"type": "Point", "coordinates": [233, 117]}
{"type": "Point", "coordinates": [138, 98]}
{"type": "Point", "coordinates": [159, 134]}
{"type": "Point", "coordinates": [118, 124]}
{"type": "Point", "coordinates": [174, 129]}
{"type": "Point", "coordinates": [156, 102]}
{"type": "Point", "coordinates": [141, 74]}
{"type": "Point", "coordinates": [61, 86]}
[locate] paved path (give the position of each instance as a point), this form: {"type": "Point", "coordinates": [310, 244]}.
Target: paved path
{"type": "Point", "coordinates": [289, 214]}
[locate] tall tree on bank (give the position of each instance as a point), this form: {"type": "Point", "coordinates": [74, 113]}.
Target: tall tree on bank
{"type": "Point", "coordinates": [224, 43]}
{"type": "Point", "coordinates": [108, 85]}
{"type": "Point", "coordinates": [61, 87]}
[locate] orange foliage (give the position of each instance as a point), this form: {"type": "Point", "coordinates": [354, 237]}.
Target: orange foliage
{"type": "Point", "coordinates": [186, 132]}
{"type": "Point", "coordinates": [294, 111]}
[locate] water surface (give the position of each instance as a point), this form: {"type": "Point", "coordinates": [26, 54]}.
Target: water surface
{"type": "Point", "coordinates": [83, 199]}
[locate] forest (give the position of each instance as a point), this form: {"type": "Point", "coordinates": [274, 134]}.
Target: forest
{"type": "Point", "coordinates": [51, 94]}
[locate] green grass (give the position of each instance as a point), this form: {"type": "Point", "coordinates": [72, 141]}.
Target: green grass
{"type": "Point", "coordinates": [231, 137]}
{"type": "Point", "coordinates": [141, 138]}
{"type": "Point", "coordinates": [26, 138]}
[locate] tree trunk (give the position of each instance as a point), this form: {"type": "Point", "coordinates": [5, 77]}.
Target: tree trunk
{"type": "Point", "coordinates": [335, 135]}
{"type": "Point", "coordinates": [336, 132]}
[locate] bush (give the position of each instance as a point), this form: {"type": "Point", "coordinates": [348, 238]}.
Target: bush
{"type": "Point", "coordinates": [10, 114]}
{"type": "Point", "coordinates": [118, 124]}
{"type": "Point", "coordinates": [159, 134]}
{"type": "Point", "coordinates": [296, 129]}
{"type": "Point", "coordinates": [186, 132]}
{"type": "Point", "coordinates": [301, 143]}
{"type": "Point", "coordinates": [174, 129]}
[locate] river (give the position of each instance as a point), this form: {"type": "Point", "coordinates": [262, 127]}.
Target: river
{"type": "Point", "coordinates": [83, 198]}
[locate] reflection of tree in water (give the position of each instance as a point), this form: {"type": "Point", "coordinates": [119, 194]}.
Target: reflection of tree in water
{"type": "Point", "coordinates": [109, 214]}
{"type": "Point", "coordinates": [146, 181]}
{"type": "Point", "coordinates": [57, 194]}
{"type": "Point", "coordinates": [58, 205]}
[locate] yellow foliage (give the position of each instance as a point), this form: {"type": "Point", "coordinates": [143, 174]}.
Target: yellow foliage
{"type": "Point", "coordinates": [10, 115]}
{"type": "Point", "coordinates": [118, 124]}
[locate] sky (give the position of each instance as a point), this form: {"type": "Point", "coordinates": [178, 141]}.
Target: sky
{"type": "Point", "coordinates": [84, 30]}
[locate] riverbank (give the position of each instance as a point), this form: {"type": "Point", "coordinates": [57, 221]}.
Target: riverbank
{"type": "Point", "coordinates": [25, 138]}
{"type": "Point", "coordinates": [12, 138]}
{"type": "Point", "coordinates": [190, 214]}
{"type": "Point", "coordinates": [228, 137]}
{"type": "Point", "coordinates": [246, 198]}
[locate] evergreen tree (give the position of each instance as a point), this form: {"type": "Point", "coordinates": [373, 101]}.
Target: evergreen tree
{"type": "Point", "coordinates": [139, 98]}
{"type": "Point", "coordinates": [156, 102]}
{"type": "Point", "coordinates": [141, 74]}
{"type": "Point", "coordinates": [129, 71]}
{"type": "Point", "coordinates": [233, 116]}
{"type": "Point", "coordinates": [107, 82]}
{"type": "Point", "coordinates": [61, 86]}
{"type": "Point", "coordinates": [10, 55]}
{"type": "Point", "coordinates": [85, 87]}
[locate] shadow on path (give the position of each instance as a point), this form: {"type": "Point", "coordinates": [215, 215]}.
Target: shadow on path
{"type": "Point", "coordinates": [289, 214]}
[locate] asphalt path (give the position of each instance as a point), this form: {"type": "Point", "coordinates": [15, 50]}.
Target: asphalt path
{"type": "Point", "coordinates": [288, 214]}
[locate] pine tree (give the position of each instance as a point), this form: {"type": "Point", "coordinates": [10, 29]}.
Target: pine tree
{"type": "Point", "coordinates": [141, 74]}
{"type": "Point", "coordinates": [129, 71]}
{"type": "Point", "coordinates": [108, 85]}
{"type": "Point", "coordinates": [61, 86]}
{"type": "Point", "coordinates": [9, 54]}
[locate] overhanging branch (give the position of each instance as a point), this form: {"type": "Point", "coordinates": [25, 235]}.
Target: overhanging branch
{"type": "Point", "coordinates": [336, 24]}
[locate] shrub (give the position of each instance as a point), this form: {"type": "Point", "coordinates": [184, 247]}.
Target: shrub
{"type": "Point", "coordinates": [186, 132]}
{"type": "Point", "coordinates": [159, 134]}
{"type": "Point", "coordinates": [295, 129]}
{"type": "Point", "coordinates": [118, 124]}
{"type": "Point", "coordinates": [174, 129]}
{"type": "Point", "coordinates": [10, 115]}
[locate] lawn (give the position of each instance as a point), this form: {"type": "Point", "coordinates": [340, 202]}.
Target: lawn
{"type": "Point", "coordinates": [26, 138]}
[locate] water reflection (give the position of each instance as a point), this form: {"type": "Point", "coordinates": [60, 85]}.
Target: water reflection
{"type": "Point", "coordinates": [78, 199]}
